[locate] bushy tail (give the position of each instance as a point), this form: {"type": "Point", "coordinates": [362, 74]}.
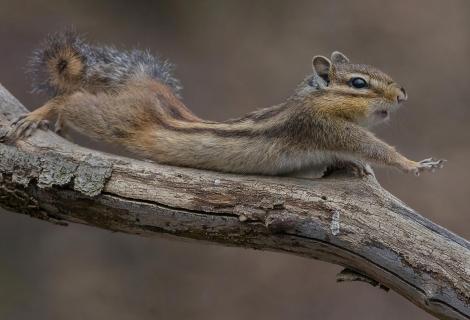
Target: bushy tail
{"type": "Point", "coordinates": [65, 63]}
{"type": "Point", "coordinates": [58, 64]}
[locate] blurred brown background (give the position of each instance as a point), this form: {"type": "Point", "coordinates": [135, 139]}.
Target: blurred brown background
{"type": "Point", "coordinates": [234, 56]}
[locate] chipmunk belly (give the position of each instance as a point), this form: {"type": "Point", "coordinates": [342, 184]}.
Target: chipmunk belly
{"type": "Point", "coordinates": [250, 155]}
{"type": "Point", "coordinates": [206, 151]}
{"type": "Point", "coordinates": [304, 160]}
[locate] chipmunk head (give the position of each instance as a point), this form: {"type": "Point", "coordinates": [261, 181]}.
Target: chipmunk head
{"type": "Point", "coordinates": [358, 93]}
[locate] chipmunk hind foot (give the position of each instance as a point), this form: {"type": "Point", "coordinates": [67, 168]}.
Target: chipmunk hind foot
{"type": "Point", "coordinates": [24, 126]}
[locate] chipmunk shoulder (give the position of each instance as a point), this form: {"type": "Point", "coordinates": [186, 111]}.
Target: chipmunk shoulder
{"type": "Point", "coordinates": [131, 99]}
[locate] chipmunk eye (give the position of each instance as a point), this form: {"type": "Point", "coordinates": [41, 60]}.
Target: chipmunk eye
{"type": "Point", "coordinates": [358, 83]}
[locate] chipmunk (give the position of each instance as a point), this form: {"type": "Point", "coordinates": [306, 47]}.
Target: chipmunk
{"type": "Point", "coordinates": [131, 99]}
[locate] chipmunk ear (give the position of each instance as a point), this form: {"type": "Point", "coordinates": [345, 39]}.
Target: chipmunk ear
{"type": "Point", "coordinates": [338, 57]}
{"type": "Point", "coordinates": [321, 66]}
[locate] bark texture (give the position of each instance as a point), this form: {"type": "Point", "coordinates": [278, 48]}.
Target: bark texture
{"type": "Point", "coordinates": [343, 219]}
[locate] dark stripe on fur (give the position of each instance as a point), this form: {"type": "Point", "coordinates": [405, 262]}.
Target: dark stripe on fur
{"type": "Point", "coordinates": [174, 111]}
{"type": "Point", "coordinates": [281, 130]}
{"type": "Point", "coordinates": [260, 115]}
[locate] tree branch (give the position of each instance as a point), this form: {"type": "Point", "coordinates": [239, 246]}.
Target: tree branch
{"type": "Point", "coordinates": [344, 220]}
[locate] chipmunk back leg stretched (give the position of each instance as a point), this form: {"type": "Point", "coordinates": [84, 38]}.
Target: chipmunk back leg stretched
{"type": "Point", "coordinates": [65, 65]}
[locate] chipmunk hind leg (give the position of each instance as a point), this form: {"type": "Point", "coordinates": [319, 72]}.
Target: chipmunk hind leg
{"type": "Point", "coordinates": [112, 118]}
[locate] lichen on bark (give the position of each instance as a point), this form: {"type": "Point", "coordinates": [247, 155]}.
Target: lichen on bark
{"type": "Point", "coordinates": [50, 169]}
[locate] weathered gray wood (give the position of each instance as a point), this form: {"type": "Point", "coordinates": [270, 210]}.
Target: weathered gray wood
{"type": "Point", "coordinates": [349, 221]}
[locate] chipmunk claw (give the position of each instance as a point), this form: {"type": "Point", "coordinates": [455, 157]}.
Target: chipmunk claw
{"type": "Point", "coordinates": [24, 126]}
{"type": "Point", "coordinates": [355, 168]}
{"type": "Point", "coordinates": [429, 164]}
{"type": "Point", "coordinates": [365, 170]}
{"type": "Point", "coordinates": [360, 169]}
{"type": "Point", "coordinates": [18, 119]}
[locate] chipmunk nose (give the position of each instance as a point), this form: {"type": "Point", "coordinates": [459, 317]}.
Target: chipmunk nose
{"type": "Point", "coordinates": [402, 96]}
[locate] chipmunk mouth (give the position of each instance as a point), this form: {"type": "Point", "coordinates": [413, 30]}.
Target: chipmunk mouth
{"type": "Point", "coordinates": [382, 113]}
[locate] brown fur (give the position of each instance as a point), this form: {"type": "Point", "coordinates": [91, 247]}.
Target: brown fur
{"type": "Point", "coordinates": [319, 128]}
{"type": "Point", "coordinates": [65, 70]}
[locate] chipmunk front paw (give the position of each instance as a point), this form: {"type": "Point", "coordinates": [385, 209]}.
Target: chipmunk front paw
{"type": "Point", "coordinates": [361, 169]}
{"type": "Point", "coordinates": [355, 168]}
{"type": "Point", "coordinates": [429, 164]}
{"type": "Point", "coordinates": [24, 126]}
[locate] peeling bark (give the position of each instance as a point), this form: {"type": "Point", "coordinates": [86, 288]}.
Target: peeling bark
{"type": "Point", "coordinates": [342, 219]}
